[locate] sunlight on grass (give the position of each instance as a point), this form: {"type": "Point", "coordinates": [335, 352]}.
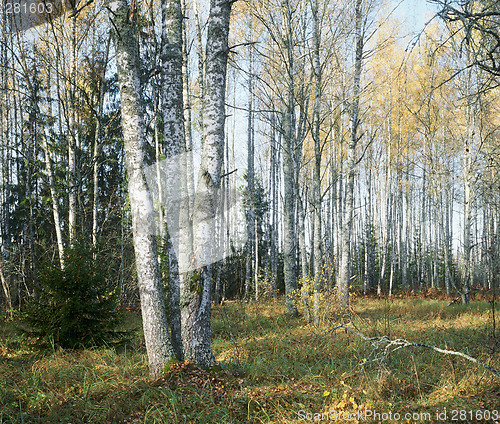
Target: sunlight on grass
{"type": "Point", "coordinates": [272, 367]}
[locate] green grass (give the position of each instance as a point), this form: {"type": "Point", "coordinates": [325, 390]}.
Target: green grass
{"type": "Point", "coordinates": [271, 367]}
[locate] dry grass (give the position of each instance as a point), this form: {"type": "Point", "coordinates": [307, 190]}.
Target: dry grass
{"type": "Point", "coordinates": [272, 367]}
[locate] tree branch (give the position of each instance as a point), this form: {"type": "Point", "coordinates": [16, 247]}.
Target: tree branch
{"type": "Point", "coordinates": [393, 345]}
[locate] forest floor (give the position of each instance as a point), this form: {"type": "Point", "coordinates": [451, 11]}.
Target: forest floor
{"type": "Point", "coordinates": [273, 368]}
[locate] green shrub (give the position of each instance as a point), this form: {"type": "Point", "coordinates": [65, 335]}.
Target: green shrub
{"type": "Point", "coordinates": [74, 307]}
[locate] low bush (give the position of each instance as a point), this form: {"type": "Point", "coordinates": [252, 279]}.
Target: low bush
{"type": "Point", "coordinates": [74, 307]}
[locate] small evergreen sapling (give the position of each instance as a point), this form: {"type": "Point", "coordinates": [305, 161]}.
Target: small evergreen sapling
{"type": "Point", "coordinates": [76, 306]}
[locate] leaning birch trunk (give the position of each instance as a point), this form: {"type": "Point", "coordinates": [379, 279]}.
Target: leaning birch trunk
{"type": "Point", "coordinates": [54, 198]}
{"type": "Point", "coordinates": [198, 330]}
{"type": "Point", "coordinates": [52, 185]}
{"type": "Point", "coordinates": [345, 268]}
{"type": "Point", "coordinates": [154, 317]}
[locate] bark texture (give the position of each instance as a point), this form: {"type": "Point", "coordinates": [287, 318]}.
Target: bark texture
{"type": "Point", "coordinates": [198, 330]}
{"type": "Point", "coordinates": [154, 317]}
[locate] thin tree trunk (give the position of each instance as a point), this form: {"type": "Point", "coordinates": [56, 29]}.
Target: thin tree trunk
{"type": "Point", "coordinates": [317, 216]}
{"type": "Point", "coordinates": [289, 248]}
{"type": "Point", "coordinates": [345, 266]}
{"type": "Point", "coordinates": [72, 136]}
{"type": "Point", "coordinates": [95, 153]}
{"type": "Point", "coordinates": [250, 257]}
{"type": "Point", "coordinates": [52, 184]}
{"type": "Point", "coordinates": [289, 146]}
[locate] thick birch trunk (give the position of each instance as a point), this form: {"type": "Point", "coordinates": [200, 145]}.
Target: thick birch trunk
{"type": "Point", "coordinates": [176, 197]}
{"type": "Point", "coordinates": [158, 345]}
{"type": "Point", "coordinates": [198, 331]}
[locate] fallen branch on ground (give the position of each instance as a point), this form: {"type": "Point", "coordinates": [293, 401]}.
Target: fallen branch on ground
{"type": "Point", "coordinates": [393, 345]}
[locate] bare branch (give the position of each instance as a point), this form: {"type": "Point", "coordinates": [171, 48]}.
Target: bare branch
{"type": "Point", "coordinates": [390, 346]}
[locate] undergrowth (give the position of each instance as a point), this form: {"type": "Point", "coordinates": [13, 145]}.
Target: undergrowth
{"type": "Point", "coordinates": [273, 368]}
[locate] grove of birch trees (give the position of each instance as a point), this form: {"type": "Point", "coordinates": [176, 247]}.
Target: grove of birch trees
{"type": "Point", "coordinates": [366, 156]}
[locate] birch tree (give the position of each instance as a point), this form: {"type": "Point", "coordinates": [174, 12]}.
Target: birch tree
{"type": "Point", "coordinates": [158, 343]}
{"type": "Point", "coordinates": [176, 171]}
{"type": "Point", "coordinates": [318, 233]}
{"type": "Point", "coordinates": [198, 328]}
{"type": "Point", "coordinates": [344, 276]}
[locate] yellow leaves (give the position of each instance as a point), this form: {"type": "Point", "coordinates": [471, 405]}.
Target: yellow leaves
{"type": "Point", "coordinates": [326, 393]}
{"type": "Point", "coordinates": [341, 405]}
{"type": "Point", "coordinates": [350, 403]}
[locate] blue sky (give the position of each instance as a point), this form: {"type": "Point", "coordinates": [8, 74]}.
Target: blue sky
{"type": "Point", "coordinates": [415, 12]}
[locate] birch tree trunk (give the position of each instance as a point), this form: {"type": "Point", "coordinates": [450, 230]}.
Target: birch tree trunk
{"type": "Point", "coordinates": [289, 171]}
{"type": "Point", "coordinates": [345, 266]}
{"type": "Point", "coordinates": [251, 236]}
{"type": "Point", "coordinates": [468, 176]}
{"type": "Point", "coordinates": [198, 329]}
{"type": "Point", "coordinates": [154, 317]}
{"type": "Point", "coordinates": [179, 242]}
{"type": "Point", "coordinates": [5, 217]}
{"type": "Point", "coordinates": [317, 247]}
{"type": "Point", "coordinates": [468, 181]}
{"type": "Point", "coordinates": [72, 136]}
{"type": "Point", "coordinates": [273, 239]}
{"type": "Point", "coordinates": [96, 150]}
{"type": "Point", "coordinates": [289, 233]}
{"type": "Point", "coordinates": [54, 197]}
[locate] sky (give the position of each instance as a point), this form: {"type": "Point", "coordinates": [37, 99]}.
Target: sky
{"type": "Point", "coordinates": [415, 13]}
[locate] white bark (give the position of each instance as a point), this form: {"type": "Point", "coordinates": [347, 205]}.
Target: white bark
{"type": "Point", "coordinates": [317, 215]}
{"type": "Point", "coordinates": [158, 345]}
{"type": "Point", "coordinates": [96, 150]}
{"type": "Point", "coordinates": [251, 222]}
{"type": "Point", "coordinates": [52, 184]}
{"type": "Point", "coordinates": [289, 165]}
{"type": "Point", "coordinates": [54, 198]}
{"type": "Point", "coordinates": [198, 343]}
{"type": "Point", "coordinates": [289, 233]}
{"type": "Point", "coordinates": [72, 136]}
{"type": "Point", "coordinates": [345, 266]}
{"type": "Point", "coordinates": [178, 229]}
